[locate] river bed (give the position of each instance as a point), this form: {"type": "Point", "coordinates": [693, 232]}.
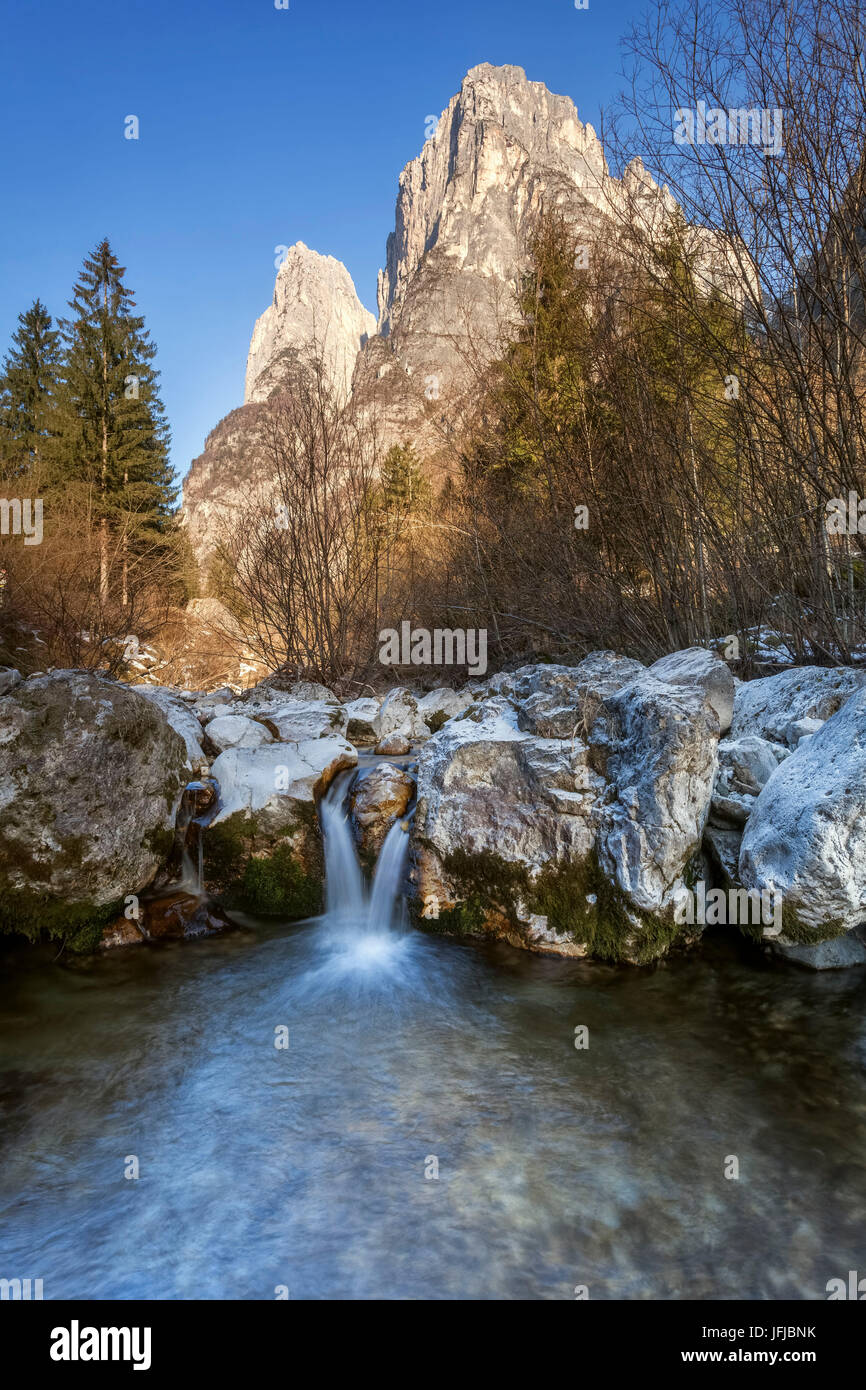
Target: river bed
{"type": "Point", "coordinates": [310, 1168]}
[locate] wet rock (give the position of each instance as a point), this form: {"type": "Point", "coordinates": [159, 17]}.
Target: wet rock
{"type": "Point", "coordinates": [171, 917]}
{"type": "Point", "coordinates": [394, 746]}
{"type": "Point", "coordinates": [838, 954]}
{"type": "Point", "coordinates": [377, 800]}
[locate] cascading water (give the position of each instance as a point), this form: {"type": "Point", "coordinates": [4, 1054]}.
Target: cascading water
{"type": "Point", "coordinates": [344, 888]}
{"type": "Point", "coordinates": [363, 928]}
{"type": "Point", "coordinates": [199, 805]}
{"type": "Point", "coordinates": [385, 898]}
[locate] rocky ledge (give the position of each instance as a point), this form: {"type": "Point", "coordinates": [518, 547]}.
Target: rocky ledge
{"type": "Point", "coordinates": [606, 810]}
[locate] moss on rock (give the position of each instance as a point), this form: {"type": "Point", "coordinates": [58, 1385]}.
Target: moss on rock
{"type": "Point", "coordinates": [275, 885]}
{"type": "Point", "coordinates": [78, 925]}
{"type": "Point", "coordinates": [248, 870]}
{"type": "Point", "coordinates": [577, 899]}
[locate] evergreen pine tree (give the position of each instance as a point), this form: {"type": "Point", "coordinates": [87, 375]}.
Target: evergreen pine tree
{"type": "Point", "coordinates": [405, 488]}
{"type": "Point", "coordinates": [114, 435]}
{"type": "Point", "coordinates": [27, 385]}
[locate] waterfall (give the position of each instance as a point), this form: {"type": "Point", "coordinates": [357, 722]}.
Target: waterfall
{"type": "Point", "coordinates": [348, 901]}
{"type": "Point", "coordinates": [360, 945]}
{"type": "Point", "coordinates": [344, 888]}
{"type": "Point", "coordinates": [199, 804]}
{"type": "Point", "coordinates": [388, 878]}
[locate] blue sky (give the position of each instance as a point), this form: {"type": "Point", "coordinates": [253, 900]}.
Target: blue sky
{"type": "Point", "coordinates": [258, 127]}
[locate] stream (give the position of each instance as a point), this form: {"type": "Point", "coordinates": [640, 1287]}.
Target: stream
{"type": "Point", "coordinates": [431, 1130]}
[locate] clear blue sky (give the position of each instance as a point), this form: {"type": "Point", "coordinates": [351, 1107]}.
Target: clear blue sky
{"type": "Point", "coordinates": [258, 127]}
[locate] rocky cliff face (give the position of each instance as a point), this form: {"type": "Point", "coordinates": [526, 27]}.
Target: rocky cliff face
{"type": "Point", "coordinates": [503, 148]}
{"type": "Point", "coordinates": [314, 306]}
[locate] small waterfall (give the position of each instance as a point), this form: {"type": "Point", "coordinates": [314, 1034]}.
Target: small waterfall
{"type": "Point", "coordinates": [199, 805]}
{"type": "Point", "coordinates": [388, 878]}
{"type": "Point", "coordinates": [362, 945]}
{"type": "Point", "coordinates": [344, 888]}
{"type": "Point", "coordinates": [362, 925]}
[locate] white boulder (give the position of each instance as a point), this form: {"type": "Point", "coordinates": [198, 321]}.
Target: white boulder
{"type": "Point", "coordinates": [806, 836]}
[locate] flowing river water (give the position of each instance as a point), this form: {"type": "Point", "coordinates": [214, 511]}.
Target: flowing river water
{"type": "Point", "coordinates": [313, 1166]}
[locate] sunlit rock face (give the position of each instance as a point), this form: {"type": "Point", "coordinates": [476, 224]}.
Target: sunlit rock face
{"type": "Point", "coordinates": [315, 306]}
{"type": "Point", "coordinates": [503, 149]}
{"type": "Point", "coordinates": [467, 205]}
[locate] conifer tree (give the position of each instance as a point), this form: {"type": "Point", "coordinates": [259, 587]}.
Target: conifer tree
{"type": "Point", "coordinates": [114, 436]}
{"type": "Point", "coordinates": [27, 385]}
{"type": "Point", "coordinates": [405, 488]}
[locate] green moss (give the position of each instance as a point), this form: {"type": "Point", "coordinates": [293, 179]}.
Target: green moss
{"type": "Point", "coordinates": [577, 899]}
{"type": "Point", "coordinates": [464, 919]}
{"type": "Point", "coordinates": [247, 872]}
{"type": "Point", "coordinates": [794, 931]}
{"type": "Point", "coordinates": [435, 720]}
{"type": "Point", "coordinates": [160, 842]}
{"type": "Point", "coordinates": [78, 925]}
{"type": "Point", "coordinates": [610, 927]}
{"type": "Point", "coordinates": [226, 850]}
{"type": "Point", "coordinates": [276, 886]}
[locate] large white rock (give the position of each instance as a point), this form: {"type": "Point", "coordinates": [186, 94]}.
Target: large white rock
{"type": "Point", "coordinates": [314, 304]}
{"type": "Point", "coordinates": [438, 706]}
{"type": "Point", "coordinates": [263, 851]}
{"type": "Point", "coordinates": [773, 706]}
{"type": "Point", "coordinates": [399, 714]}
{"type": "Point", "coordinates": [182, 720]}
{"type": "Point", "coordinates": [656, 744]}
{"type": "Point", "coordinates": [563, 701]}
{"type": "Point", "coordinates": [806, 836]}
{"type": "Point", "coordinates": [266, 782]}
{"type": "Point", "coordinates": [698, 667]}
{"type": "Point", "coordinates": [236, 731]}
{"type": "Point", "coordinates": [487, 791]}
{"type": "Point", "coordinates": [296, 720]}
{"type": "Point", "coordinates": [91, 776]}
